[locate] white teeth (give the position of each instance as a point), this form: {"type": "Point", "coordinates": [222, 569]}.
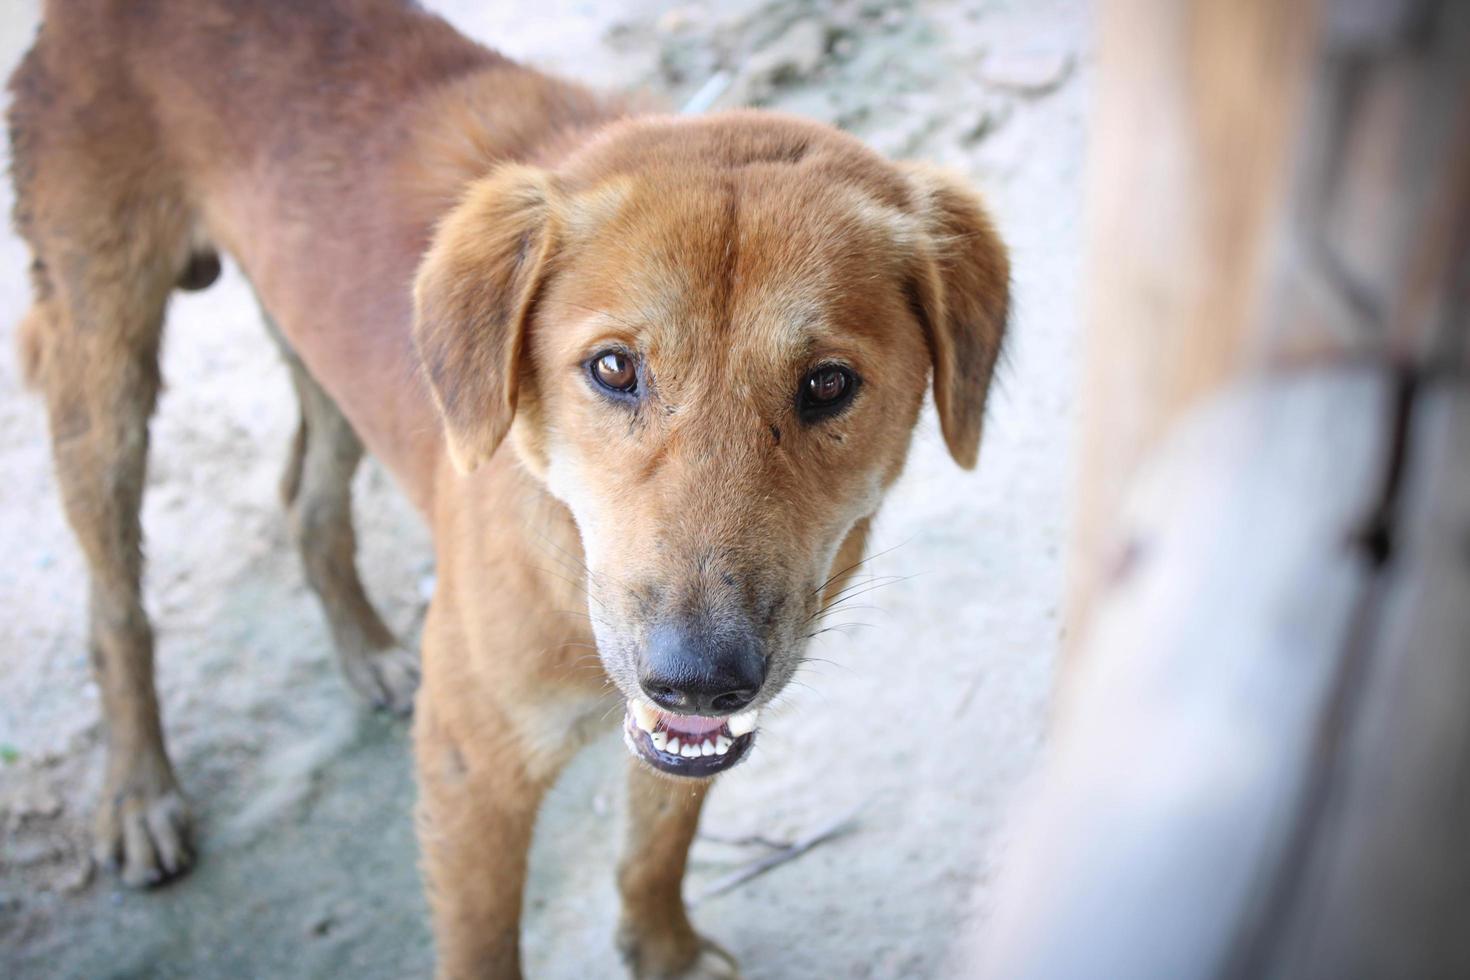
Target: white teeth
{"type": "Point", "coordinates": [690, 749]}
{"type": "Point", "coordinates": [644, 714]}
{"type": "Point", "coordinates": [743, 724]}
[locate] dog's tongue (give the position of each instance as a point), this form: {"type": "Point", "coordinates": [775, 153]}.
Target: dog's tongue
{"type": "Point", "coordinates": [692, 724]}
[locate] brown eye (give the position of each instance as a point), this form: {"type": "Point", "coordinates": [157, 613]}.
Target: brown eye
{"type": "Point", "coordinates": [614, 370]}
{"type": "Point", "coordinates": [826, 385]}
{"type": "Point", "coordinates": [826, 390]}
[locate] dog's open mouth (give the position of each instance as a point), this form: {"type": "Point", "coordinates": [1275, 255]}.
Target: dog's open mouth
{"type": "Point", "coordinates": [688, 745]}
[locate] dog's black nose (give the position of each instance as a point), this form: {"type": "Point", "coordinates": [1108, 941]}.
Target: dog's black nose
{"type": "Point", "coordinates": [701, 672]}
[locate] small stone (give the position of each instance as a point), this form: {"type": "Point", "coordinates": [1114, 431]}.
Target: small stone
{"type": "Point", "coordinates": [25, 851]}
{"type": "Point", "coordinates": [34, 801]}
{"type": "Point", "coordinates": [1030, 73]}
{"type": "Point", "coordinates": [985, 120]}
{"type": "Point", "coordinates": [792, 56]}
{"type": "Point", "coordinates": [677, 20]}
{"type": "Point", "coordinates": [78, 878]}
{"type": "Point", "coordinates": [796, 53]}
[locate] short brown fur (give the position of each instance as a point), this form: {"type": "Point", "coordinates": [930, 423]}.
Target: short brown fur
{"type": "Point", "coordinates": [345, 150]}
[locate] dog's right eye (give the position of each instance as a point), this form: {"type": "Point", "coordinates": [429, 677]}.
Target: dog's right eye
{"type": "Point", "coordinates": [615, 371]}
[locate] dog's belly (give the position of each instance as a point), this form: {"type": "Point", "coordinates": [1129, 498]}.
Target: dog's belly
{"type": "Point", "coordinates": [321, 169]}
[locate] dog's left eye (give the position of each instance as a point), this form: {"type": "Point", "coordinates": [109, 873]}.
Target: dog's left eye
{"type": "Point", "coordinates": [615, 371]}
{"type": "Point", "coordinates": [825, 390]}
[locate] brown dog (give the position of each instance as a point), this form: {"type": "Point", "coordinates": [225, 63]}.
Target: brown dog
{"type": "Point", "coordinates": [707, 340]}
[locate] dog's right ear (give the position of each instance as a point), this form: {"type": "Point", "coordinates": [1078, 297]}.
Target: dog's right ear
{"type": "Point", "coordinates": [475, 290]}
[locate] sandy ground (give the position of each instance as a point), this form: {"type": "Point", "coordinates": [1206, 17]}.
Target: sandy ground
{"type": "Point", "coordinates": [926, 719]}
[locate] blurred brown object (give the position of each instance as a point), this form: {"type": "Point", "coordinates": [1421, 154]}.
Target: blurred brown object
{"type": "Point", "coordinates": [1271, 185]}
{"type": "Point", "coordinates": [1263, 733]}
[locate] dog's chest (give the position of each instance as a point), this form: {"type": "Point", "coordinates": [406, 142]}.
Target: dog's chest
{"type": "Point", "coordinates": [565, 721]}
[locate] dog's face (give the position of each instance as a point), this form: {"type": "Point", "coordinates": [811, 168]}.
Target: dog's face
{"type": "Point", "coordinates": [714, 338]}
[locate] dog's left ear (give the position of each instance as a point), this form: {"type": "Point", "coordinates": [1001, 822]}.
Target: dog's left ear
{"type": "Point", "coordinates": [475, 290]}
{"type": "Point", "coordinates": [960, 291]}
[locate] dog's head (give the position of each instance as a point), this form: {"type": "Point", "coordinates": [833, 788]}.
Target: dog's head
{"type": "Point", "coordinates": [711, 339]}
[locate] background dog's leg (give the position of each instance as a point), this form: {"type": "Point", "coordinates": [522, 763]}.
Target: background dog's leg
{"type": "Point", "coordinates": [96, 344]}
{"type": "Point", "coordinates": [654, 933]}
{"type": "Point", "coordinates": [317, 491]}
{"type": "Point", "coordinates": [110, 236]}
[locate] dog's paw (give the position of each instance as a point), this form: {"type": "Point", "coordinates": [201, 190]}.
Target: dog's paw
{"type": "Point", "coordinates": [144, 833]}
{"type": "Point", "coordinates": [386, 679]}
{"type": "Point", "coordinates": [713, 963]}
{"type": "Point", "coordinates": [658, 961]}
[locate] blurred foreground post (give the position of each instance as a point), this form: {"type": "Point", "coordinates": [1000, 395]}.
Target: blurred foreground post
{"type": "Point", "coordinates": [1261, 764]}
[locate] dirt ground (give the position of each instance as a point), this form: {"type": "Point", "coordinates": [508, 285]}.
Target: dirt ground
{"type": "Point", "coordinates": [923, 721]}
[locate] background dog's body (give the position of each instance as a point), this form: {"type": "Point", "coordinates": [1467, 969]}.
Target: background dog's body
{"type": "Point", "coordinates": [319, 150]}
{"type": "Point", "coordinates": [303, 142]}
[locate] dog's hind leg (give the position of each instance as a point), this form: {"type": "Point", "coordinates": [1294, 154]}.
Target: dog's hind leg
{"type": "Point", "coordinates": [654, 933]}
{"type": "Point", "coordinates": [317, 491]}
{"type": "Point", "coordinates": [92, 344]}
{"type": "Point", "coordinates": [110, 235]}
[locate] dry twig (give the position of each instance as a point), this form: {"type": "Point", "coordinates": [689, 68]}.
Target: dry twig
{"type": "Point", "coordinates": [787, 853]}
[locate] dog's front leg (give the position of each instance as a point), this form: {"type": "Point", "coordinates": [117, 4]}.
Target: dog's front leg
{"type": "Point", "coordinates": [654, 933]}
{"type": "Point", "coordinates": [474, 834]}
{"type": "Point", "coordinates": [477, 806]}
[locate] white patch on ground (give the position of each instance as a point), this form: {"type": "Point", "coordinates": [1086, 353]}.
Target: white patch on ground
{"type": "Point", "coordinates": [308, 862]}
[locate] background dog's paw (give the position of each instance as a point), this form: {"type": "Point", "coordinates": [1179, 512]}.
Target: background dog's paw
{"type": "Point", "coordinates": [145, 834]}
{"type": "Point", "coordinates": [386, 678]}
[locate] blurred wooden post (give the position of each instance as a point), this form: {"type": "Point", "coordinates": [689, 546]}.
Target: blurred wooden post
{"type": "Point", "coordinates": [1259, 761]}
{"type": "Point", "coordinates": [1197, 104]}
{"type": "Point", "coordinates": [1271, 183]}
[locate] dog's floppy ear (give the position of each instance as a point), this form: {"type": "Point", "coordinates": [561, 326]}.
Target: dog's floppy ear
{"type": "Point", "coordinates": [960, 291]}
{"type": "Point", "coordinates": [474, 292]}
